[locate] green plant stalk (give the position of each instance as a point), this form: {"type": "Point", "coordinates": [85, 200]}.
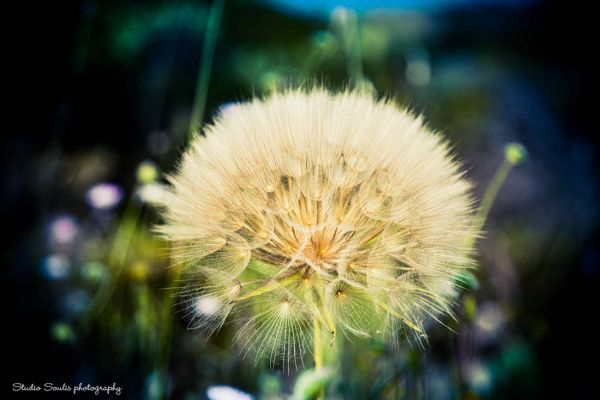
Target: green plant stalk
{"type": "Point", "coordinates": [318, 351]}
{"type": "Point", "coordinates": [116, 259]}
{"type": "Point", "coordinates": [166, 324]}
{"type": "Point", "coordinates": [198, 110]}
{"type": "Point", "coordinates": [350, 38]}
{"type": "Point", "coordinates": [208, 51]}
{"type": "Point", "coordinates": [492, 191]}
{"type": "Point", "coordinates": [328, 320]}
{"type": "Point", "coordinates": [514, 154]}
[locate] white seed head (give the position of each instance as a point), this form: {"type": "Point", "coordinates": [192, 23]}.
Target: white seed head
{"type": "Point", "coordinates": [312, 206]}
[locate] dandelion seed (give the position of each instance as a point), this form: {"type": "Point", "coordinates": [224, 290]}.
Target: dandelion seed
{"type": "Point", "coordinates": [311, 213]}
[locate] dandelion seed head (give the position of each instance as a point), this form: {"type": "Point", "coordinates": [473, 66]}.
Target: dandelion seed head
{"type": "Point", "coordinates": [311, 206]}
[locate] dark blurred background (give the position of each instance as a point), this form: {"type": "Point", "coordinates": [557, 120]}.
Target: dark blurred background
{"type": "Point", "coordinates": [98, 107]}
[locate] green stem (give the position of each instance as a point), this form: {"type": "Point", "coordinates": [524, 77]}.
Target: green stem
{"type": "Point", "coordinates": [514, 154]}
{"type": "Point", "coordinates": [317, 345]}
{"type": "Point", "coordinates": [166, 323]}
{"type": "Point", "coordinates": [116, 259]}
{"type": "Point", "coordinates": [318, 352]}
{"type": "Point", "coordinates": [197, 116]}
{"type": "Point", "coordinates": [347, 25]}
{"type": "Point", "coordinates": [208, 50]}
{"type": "Point", "coordinates": [492, 191]}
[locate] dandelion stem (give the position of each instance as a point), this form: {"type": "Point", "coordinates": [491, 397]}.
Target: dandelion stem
{"type": "Point", "coordinates": [492, 191]}
{"type": "Point", "coordinates": [328, 320]}
{"type": "Point", "coordinates": [514, 154]}
{"type": "Point", "coordinates": [208, 50]}
{"type": "Point", "coordinates": [318, 352]}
